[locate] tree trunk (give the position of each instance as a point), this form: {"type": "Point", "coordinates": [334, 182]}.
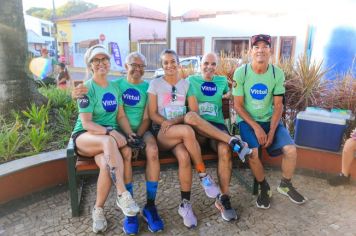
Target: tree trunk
{"type": "Point", "coordinates": [17, 91]}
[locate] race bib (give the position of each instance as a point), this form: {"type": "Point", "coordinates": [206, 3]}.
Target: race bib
{"type": "Point", "coordinates": [207, 108]}
{"type": "Point", "coordinates": [258, 104]}
{"type": "Point", "coordinates": [172, 112]}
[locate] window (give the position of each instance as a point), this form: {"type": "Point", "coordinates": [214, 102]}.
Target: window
{"type": "Point", "coordinates": [273, 48]}
{"type": "Point", "coordinates": [190, 46]}
{"type": "Point", "coordinates": [233, 47]}
{"type": "Point", "coordinates": [79, 49]}
{"type": "Point", "coordinates": [287, 47]}
{"type": "Point", "coordinates": [45, 30]}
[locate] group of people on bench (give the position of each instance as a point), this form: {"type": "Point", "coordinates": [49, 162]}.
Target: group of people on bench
{"type": "Point", "coordinates": [117, 116]}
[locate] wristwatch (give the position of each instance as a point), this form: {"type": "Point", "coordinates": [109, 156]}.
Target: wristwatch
{"type": "Point", "coordinates": [108, 129]}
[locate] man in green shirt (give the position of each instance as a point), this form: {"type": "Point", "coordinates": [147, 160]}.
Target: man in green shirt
{"type": "Point", "coordinates": [209, 90]}
{"type": "Point", "coordinates": [258, 100]}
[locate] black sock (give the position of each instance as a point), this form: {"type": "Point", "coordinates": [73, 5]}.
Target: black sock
{"type": "Point", "coordinates": [150, 202]}
{"type": "Point", "coordinates": [284, 180]}
{"type": "Point", "coordinates": [264, 185]}
{"type": "Point", "coordinates": [185, 195]}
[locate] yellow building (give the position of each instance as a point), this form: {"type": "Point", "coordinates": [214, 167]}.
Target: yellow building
{"type": "Point", "coordinates": [64, 39]}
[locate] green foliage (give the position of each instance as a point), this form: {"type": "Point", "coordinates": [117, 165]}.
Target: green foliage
{"type": "Point", "coordinates": [11, 139]}
{"type": "Point", "coordinates": [39, 137]}
{"type": "Point", "coordinates": [37, 115]}
{"type": "Point", "coordinates": [64, 119]}
{"type": "Point", "coordinates": [75, 7]}
{"type": "Point", "coordinates": [57, 97]}
{"type": "Point", "coordinates": [71, 8]}
{"type": "Point", "coordinates": [39, 12]}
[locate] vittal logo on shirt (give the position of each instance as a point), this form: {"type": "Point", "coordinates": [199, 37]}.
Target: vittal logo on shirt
{"type": "Point", "coordinates": [131, 97]}
{"type": "Point", "coordinates": [83, 101]}
{"type": "Point", "coordinates": [208, 88]}
{"type": "Point", "coordinates": [109, 102]}
{"type": "Point", "coordinates": [259, 91]}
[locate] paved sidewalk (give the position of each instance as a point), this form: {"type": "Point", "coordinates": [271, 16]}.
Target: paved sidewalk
{"type": "Point", "coordinates": [329, 211]}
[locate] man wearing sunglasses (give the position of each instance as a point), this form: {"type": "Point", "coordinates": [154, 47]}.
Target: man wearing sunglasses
{"type": "Point", "coordinates": [258, 100]}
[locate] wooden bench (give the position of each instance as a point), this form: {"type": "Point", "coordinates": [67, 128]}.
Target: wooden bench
{"type": "Point", "coordinates": [79, 168]}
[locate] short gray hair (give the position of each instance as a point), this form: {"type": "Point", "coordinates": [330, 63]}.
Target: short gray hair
{"type": "Point", "coordinates": [129, 58]}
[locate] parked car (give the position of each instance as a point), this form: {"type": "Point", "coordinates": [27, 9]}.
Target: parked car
{"type": "Point", "coordinates": [188, 62]}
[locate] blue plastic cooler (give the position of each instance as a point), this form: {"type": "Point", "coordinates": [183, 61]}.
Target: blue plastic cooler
{"type": "Point", "coordinates": [319, 132]}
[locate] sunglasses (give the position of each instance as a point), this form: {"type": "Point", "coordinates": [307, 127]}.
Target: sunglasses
{"type": "Point", "coordinates": [174, 93]}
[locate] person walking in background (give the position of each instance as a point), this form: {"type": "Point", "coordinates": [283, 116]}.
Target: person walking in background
{"type": "Point", "coordinates": [348, 155]}
{"type": "Point", "coordinates": [63, 78]}
{"type": "Point", "coordinates": [49, 78]}
{"type": "Point", "coordinates": [258, 100]}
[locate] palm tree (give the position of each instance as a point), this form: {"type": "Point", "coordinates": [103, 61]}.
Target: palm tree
{"type": "Point", "coordinates": [16, 89]}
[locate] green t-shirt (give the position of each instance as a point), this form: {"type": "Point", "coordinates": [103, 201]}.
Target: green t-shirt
{"type": "Point", "coordinates": [103, 103]}
{"type": "Point", "coordinates": [209, 96]}
{"type": "Point", "coordinates": [134, 99]}
{"type": "Point", "coordinates": [258, 91]}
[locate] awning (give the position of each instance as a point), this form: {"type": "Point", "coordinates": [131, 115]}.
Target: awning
{"type": "Point", "coordinates": [88, 43]}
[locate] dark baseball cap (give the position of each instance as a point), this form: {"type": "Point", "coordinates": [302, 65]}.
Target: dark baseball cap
{"type": "Point", "coordinates": [261, 37]}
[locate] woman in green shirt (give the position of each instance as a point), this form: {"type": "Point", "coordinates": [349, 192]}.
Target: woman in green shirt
{"type": "Point", "coordinates": [95, 135]}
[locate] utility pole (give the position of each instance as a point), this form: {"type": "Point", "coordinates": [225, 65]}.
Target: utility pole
{"type": "Point", "coordinates": [54, 31]}
{"type": "Point", "coordinates": [168, 34]}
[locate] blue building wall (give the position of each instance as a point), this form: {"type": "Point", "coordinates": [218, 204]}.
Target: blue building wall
{"type": "Point", "coordinates": [340, 52]}
{"type": "Point", "coordinates": [115, 30]}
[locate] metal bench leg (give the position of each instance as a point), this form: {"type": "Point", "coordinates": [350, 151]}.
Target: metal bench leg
{"type": "Point", "coordinates": [72, 181]}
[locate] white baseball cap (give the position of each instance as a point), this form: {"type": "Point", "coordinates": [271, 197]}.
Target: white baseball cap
{"type": "Point", "coordinates": [93, 51]}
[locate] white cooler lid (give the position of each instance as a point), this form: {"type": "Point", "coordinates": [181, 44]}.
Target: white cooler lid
{"type": "Point", "coordinates": [317, 118]}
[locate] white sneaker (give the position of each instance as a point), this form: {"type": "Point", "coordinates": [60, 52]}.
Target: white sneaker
{"type": "Point", "coordinates": [127, 204]}
{"type": "Point", "coordinates": [210, 188]}
{"type": "Point", "coordinates": [99, 222]}
{"type": "Point", "coordinates": [185, 210]}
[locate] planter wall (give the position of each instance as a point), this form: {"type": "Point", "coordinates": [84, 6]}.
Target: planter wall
{"type": "Point", "coordinates": [314, 160]}
{"type": "Point", "coordinates": [31, 174]}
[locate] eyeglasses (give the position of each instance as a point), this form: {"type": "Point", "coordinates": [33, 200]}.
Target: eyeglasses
{"type": "Point", "coordinates": [104, 61]}
{"type": "Point", "coordinates": [135, 66]}
{"type": "Point", "coordinates": [174, 93]}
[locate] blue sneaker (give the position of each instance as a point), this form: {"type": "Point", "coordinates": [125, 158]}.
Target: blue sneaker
{"type": "Point", "coordinates": [154, 221]}
{"type": "Point", "coordinates": [130, 225]}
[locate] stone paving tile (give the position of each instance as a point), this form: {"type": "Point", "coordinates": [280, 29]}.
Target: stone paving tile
{"type": "Point", "coordinates": [329, 211]}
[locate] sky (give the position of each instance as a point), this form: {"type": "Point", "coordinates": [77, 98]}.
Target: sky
{"type": "Point", "coordinates": [178, 7]}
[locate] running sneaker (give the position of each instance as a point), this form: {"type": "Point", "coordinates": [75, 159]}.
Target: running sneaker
{"type": "Point", "coordinates": [264, 197]}
{"type": "Point", "coordinates": [185, 210]}
{"type": "Point", "coordinates": [240, 147]}
{"type": "Point", "coordinates": [154, 221]}
{"type": "Point", "coordinates": [339, 179]}
{"type": "Point", "coordinates": [127, 204]}
{"type": "Point", "coordinates": [287, 189]}
{"type": "Point", "coordinates": [210, 188]}
{"type": "Point", "coordinates": [99, 221]}
{"type": "Point", "coordinates": [130, 225]}
{"type": "Point", "coordinates": [228, 213]}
